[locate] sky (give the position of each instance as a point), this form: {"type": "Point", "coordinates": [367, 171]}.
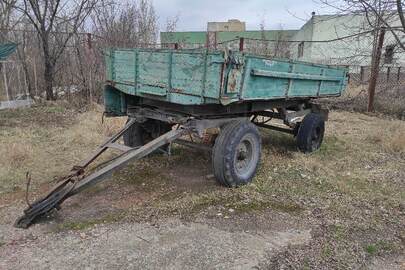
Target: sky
{"type": "Point", "coordinates": [276, 14]}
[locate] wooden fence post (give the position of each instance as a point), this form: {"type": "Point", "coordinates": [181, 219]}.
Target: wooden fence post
{"type": "Point", "coordinates": [241, 44]}
{"type": "Point", "coordinates": [361, 74]}
{"type": "Point", "coordinates": [375, 70]}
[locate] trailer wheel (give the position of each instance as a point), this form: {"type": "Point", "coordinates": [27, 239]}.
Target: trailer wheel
{"type": "Point", "coordinates": [236, 153]}
{"type": "Point", "coordinates": [133, 137]}
{"type": "Point", "coordinates": [310, 133]}
{"type": "Point", "coordinates": [141, 133]}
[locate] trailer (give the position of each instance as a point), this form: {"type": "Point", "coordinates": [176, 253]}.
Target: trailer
{"type": "Point", "coordinates": [171, 95]}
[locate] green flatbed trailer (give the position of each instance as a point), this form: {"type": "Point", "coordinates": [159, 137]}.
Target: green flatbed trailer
{"type": "Point", "coordinates": [163, 88]}
{"type": "Point", "coordinates": [219, 99]}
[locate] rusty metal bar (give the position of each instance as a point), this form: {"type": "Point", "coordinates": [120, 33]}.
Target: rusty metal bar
{"type": "Point", "coordinates": [125, 159]}
{"type": "Point", "coordinates": [103, 147]}
{"type": "Point", "coordinates": [199, 146]}
{"type": "Point", "coordinates": [276, 128]}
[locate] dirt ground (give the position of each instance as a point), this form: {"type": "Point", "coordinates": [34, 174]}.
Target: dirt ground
{"type": "Point", "coordinates": [339, 208]}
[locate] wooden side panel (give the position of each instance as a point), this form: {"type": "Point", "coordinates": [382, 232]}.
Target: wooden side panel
{"type": "Point", "coordinates": [179, 77]}
{"type": "Point", "coordinates": [258, 87]}
{"type": "Point", "coordinates": [188, 73]}
{"type": "Point", "coordinates": [333, 87]}
{"type": "Point", "coordinates": [153, 73]}
{"type": "Point", "coordinates": [299, 88]}
{"type": "Point", "coordinates": [123, 71]}
{"type": "Point", "coordinates": [274, 79]}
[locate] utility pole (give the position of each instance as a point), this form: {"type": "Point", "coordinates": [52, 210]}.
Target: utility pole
{"type": "Point", "coordinates": [375, 69]}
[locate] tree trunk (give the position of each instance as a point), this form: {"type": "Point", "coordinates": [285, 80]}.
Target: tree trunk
{"type": "Point", "coordinates": [48, 76]}
{"type": "Point", "coordinates": [48, 70]}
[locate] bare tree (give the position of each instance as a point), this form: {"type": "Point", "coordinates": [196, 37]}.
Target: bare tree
{"type": "Point", "coordinates": [128, 24]}
{"type": "Point", "coordinates": [55, 23]}
{"type": "Point", "coordinates": [147, 22]}
{"type": "Point", "coordinates": [281, 47]}
{"type": "Point", "coordinates": [171, 23]}
{"type": "Point", "coordinates": [6, 14]}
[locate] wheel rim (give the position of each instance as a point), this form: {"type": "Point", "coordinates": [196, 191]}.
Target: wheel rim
{"type": "Point", "coordinates": [244, 157]}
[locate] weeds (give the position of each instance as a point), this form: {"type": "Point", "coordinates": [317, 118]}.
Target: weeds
{"type": "Point", "coordinates": [379, 246]}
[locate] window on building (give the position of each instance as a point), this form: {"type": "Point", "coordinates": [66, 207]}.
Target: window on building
{"type": "Point", "coordinates": [301, 49]}
{"type": "Point", "coordinates": [389, 54]}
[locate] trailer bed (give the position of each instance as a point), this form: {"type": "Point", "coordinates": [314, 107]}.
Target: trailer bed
{"type": "Point", "coordinates": [190, 77]}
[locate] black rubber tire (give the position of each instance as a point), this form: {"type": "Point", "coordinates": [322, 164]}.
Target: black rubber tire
{"type": "Point", "coordinates": [141, 133]}
{"type": "Point", "coordinates": [133, 137]}
{"type": "Point", "coordinates": [225, 153]}
{"type": "Point", "coordinates": [310, 133]}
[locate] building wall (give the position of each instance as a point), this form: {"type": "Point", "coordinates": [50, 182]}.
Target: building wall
{"type": "Point", "coordinates": [230, 25]}
{"type": "Point", "coordinates": [187, 38]}
{"type": "Point", "coordinates": [302, 35]}
{"type": "Point", "coordinates": [353, 51]}
{"type": "Point", "coordinates": [198, 37]}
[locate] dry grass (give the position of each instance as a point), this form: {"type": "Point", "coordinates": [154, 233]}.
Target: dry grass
{"type": "Point", "coordinates": [353, 186]}
{"type": "Point", "coordinates": [390, 136]}
{"type": "Point", "coordinates": [15, 154]}
{"type": "Point", "coordinates": [397, 142]}
{"type": "Point", "coordinates": [389, 100]}
{"type": "Point", "coordinates": [45, 149]}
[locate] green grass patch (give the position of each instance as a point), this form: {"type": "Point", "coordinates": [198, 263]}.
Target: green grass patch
{"type": "Point", "coordinates": [371, 249]}
{"type": "Point", "coordinates": [380, 246]}
{"type": "Point", "coordinates": [331, 146]}
{"type": "Point", "coordinates": [326, 251]}
{"type": "Point", "coordinates": [306, 265]}
{"type": "Point", "coordinates": [339, 232]}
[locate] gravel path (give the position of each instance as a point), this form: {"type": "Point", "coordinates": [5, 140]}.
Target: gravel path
{"type": "Point", "coordinates": [171, 244]}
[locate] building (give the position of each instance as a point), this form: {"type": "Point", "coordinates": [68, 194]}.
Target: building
{"type": "Point", "coordinates": [328, 39]}
{"type": "Point", "coordinates": [226, 35]}
{"type": "Point", "coordinates": [202, 37]}
{"type": "Point", "coordinates": [341, 39]}
{"type": "Point", "coordinates": [231, 25]}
